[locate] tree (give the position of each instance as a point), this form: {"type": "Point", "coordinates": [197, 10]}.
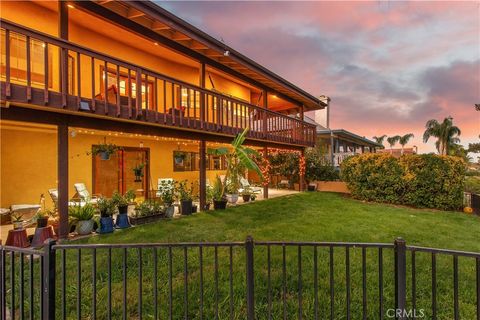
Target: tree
{"type": "Point", "coordinates": [445, 132]}
{"type": "Point", "coordinates": [380, 139]}
{"type": "Point", "coordinates": [474, 147]}
{"type": "Point", "coordinates": [392, 141]}
{"type": "Point", "coordinates": [404, 139]}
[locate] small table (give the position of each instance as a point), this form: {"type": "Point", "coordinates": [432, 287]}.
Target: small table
{"type": "Point", "coordinates": [42, 234]}
{"type": "Point", "coordinates": [17, 238]}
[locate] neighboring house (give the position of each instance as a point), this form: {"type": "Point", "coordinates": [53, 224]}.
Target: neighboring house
{"type": "Point", "coordinates": [79, 73]}
{"type": "Point", "coordinates": [341, 143]}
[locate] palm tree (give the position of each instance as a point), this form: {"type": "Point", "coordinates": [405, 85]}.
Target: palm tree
{"type": "Point", "coordinates": [404, 139]}
{"type": "Point", "coordinates": [380, 139]}
{"type": "Point", "coordinates": [392, 141]}
{"type": "Point", "coordinates": [445, 132]}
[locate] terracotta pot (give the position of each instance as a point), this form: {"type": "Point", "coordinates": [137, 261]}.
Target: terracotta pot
{"type": "Point", "coordinates": [246, 197]}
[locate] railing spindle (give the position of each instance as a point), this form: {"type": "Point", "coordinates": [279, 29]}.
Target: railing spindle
{"type": "Point", "coordinates": [31, 288]}
{"type": "Point", "coordinates": [170, 288]}
{"type": "Point", "coordinates": [45, 71]}
{"type": "Point", "coordinates": [185, 281]}
{"type": "Point", "coordinates": [216, 281]}
{"type": "Point", "coordinates": [129, 92]}
{"type": "Point", "coordinates": [119, 110]}
{"type": "Point", "coordinates": [105, 86]}
{"type": "Point", "coordinates": [109, 285]}
{"type": "Point", "coordinates": [79, 81]}
{"type": "Point", "coordinates": [269, 283]}
{"type": "Point", "coordinates": [155, 284]}
{"type": "Point", "coordinates": [92, 62]}
{"type": "Point", "coordinates": [231, 280]}
{"type": "Point", "coordinates": [300, 285]}
{"type": "Point", "coordinates": [284, 279]}
{"type": "Point", "coordinates": [29, 69]}
{"type": "Point", "coordinates": [200, 258]}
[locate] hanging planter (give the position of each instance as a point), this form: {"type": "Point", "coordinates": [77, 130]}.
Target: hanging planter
{"type": "Point", "coordinates": [138, 172]}
{"type": "Point", "coordinates": [104, 150]}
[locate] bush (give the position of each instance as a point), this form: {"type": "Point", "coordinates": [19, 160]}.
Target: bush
{"type": "Point", "coordinates": [317, 168]}
{"type": "Point", "coordinates": [424, 181]}
{"type": "Point", "coordinates": [472, 184]}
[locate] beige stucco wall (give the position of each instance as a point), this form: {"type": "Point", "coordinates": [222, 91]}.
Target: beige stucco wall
{"type": "Point", "coordinates": [29, 162]}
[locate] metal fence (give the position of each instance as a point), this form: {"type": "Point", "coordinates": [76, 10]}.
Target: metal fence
{"type": "Point", "coordinates": [239, 280]}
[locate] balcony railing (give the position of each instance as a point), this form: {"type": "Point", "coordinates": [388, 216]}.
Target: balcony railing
{"type": "Point", "coordinates": [48, 71]}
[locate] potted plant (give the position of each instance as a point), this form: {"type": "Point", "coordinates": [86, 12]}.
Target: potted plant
{"type": "Point", "coordinates": [218, 195]}
{"type": "Point", "coordinates": [239, 158]}
{"type": "Point", "coordinates": [106, 208]}
{"type": "Point", "coordinates": [17, 220]}
{"type": "Point", "coordinates": [104, 150]}
{"type": "Point", "coordinates": [83, 216]}
{"type": "Point", "coordinates": [246, 194]}
{"type": "Point", "coordinates": [42, 217]}
{"type": "Point", "coordinates": [185, 197]}
{"type": "Point", "coordinates": [130, 196]}
{"type": "Point", "coordinates": [208, 197]}
{"type": "Point", "coordinates": [167, 196]}
{"type": "Point", "coordinates": [121, 202]}
{"type": "Point", "coordinates": [138, 172]}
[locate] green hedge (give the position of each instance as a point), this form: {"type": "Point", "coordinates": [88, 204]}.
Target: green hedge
{"type": "Point", "coordinates": [424, 181]}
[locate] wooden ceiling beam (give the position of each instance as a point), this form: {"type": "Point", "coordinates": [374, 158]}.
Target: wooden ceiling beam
{"type": "Point", "coordinates": [157, 26]}
{"type": "Point", "coordinates": [180, 36]}
{"type": "Point", "coordinates": [134, 13]}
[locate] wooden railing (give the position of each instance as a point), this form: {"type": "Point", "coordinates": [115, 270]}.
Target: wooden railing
{"type": "Point", "coordinates": [41, 69]}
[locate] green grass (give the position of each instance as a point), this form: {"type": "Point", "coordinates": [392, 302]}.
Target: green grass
{"type": "Point", "coordinates": [301, 217]}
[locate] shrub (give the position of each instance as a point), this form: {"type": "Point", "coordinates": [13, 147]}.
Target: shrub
{"type": "Point", "coordinates": [317, 168]}
{"type": "Point", "coordinates": [425, 181]}
{"type": "Point", "coordinates": [472, 184]}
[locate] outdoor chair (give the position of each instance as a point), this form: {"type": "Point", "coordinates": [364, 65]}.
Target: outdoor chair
{"type": "Point", "coordinates": [83, 195]}
{"type": "Point", "coordinates": [284, 184]}
{"type": "Point", "coordinates": [54, 195]}
{"type": "Point", "coordinates": [246, 185]}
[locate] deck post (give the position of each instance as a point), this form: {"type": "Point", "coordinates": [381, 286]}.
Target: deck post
{"type": "Point", "coordinates": [265, 116]}
{"type": "Point", "coordinates": [202, 95]}
{"type": "Point", "coordinates": [265, 186]}
{"type": "Point", "coordinates": [302, 176]}
{"type": "Point", "coordinates": [63, 34]}
{"type": "Point", "coordinates": [203, 175]}
{"type": "Point", "coordinates": [62, 177]}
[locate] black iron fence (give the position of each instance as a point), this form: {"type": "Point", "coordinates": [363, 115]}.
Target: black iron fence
{"type": "Point", "coordinates": [239, 280]}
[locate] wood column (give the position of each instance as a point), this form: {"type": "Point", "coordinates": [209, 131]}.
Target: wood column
{"type": "Point", "coordinates": [302, 176]}
{"type": "Point", "coordinates": [202, 95]}
{"type": "Point", "coordinates": [265, 118]}
{"type": "Point", "coordinates": [62, 177]}
{"type": "Point", "coordinates": [265, 187]}
{"type": "Point", "coordinates": [63, 34]}
{"type": "Point", "coordinates": [203, 175]}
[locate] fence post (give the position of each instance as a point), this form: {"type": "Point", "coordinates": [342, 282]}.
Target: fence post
{"type": "Point", "coordinates": [250, 278]}
{"type": "Point", "coordinates": [49, 264]}
{"type": "Point", "coordinates": [400, 278]}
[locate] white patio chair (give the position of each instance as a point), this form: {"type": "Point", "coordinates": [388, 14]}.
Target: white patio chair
{"type": "Point", "coordinates": [83, 194]}
{"type": "Point", "coordinates": [246, 185]}
{"type": "Point", "coordinates": [54, 195]}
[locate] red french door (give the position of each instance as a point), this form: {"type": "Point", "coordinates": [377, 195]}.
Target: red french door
{"type": "Point", "coordinates": [117, 174]}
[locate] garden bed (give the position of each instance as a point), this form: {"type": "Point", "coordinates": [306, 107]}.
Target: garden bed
{"type": "Point", "coordinates": [147, 219]}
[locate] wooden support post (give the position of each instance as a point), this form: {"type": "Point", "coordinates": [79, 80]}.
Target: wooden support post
{"type": "Point", "coordinates": [203, 175]}
{"type": "Point", "coordinates": [265, 187]}
{"type": "Point", "coordinates": [302, 176]}
{"type": "Point", "coordinates": [202, 95]}
{"type": "Point", "coordinates": [62, 177]}
{"type": "Point", "coordinates": [63, 34]}
{"type": "Point", "coordinates": [265, 119]}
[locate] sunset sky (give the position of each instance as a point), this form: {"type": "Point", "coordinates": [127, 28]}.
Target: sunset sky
{"type": "Point", "coordinates": [387, 66]}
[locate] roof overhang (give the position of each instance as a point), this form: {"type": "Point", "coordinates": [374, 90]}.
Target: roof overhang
{"type": "Point", "coordinates": [348, 136]}
{"type": "Point", "coordinates": [198, 43]}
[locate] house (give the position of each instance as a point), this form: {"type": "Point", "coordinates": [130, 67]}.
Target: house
{"type": "Point", "coordinates": [397, 152]}
{"type": "Point", "coordinates": [82, 73]}
{"type": "Point", "coordinates": [339, 144]}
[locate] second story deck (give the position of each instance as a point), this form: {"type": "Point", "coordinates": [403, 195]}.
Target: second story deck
{"type": "Point", "coordinates": [41, 70]}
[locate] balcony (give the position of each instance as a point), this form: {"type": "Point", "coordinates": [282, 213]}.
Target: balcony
{"type": "Point", "coordinates": [38, 69]}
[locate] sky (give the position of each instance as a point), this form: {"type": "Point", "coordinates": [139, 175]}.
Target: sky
{"type": "Point", "coordinates": [387, 66]}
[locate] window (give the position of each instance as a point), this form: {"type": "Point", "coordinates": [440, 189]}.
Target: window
{"type": "Point", "coordinates": [18, 60]}
{"type": "Point", "coordinates": [190, 161]}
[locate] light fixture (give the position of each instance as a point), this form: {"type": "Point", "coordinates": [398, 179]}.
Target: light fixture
{"type": "Point", "coordinates": [155, 43]}
{"type": "Point", "coordinates": [226, 53]}
{"type": "Point", "coordinates": [73, 133]}
{"type": "Point", "coordinates": [71, 6]}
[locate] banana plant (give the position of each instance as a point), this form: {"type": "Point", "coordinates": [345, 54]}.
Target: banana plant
{"type": "Point", "coordinates": [238, 158]}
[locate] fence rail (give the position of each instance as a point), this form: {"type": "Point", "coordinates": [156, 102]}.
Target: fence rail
{"type": "Point", "coordinates": [49, 71]}
{"type": "Point", "coordinates": [239, 280]}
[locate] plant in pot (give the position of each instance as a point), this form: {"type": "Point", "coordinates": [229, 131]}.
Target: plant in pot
{"type": "Point", "coordinates": [239, 158]}
{"type": "Point", "coordinates": [42, 217]}
{"type": "Point", "coordinates": [107, 209]}
{"type": "Point", "coordinates": [218, 195]}
{"type": "Point", "coordinates": [246, 194]}
{"type": "Point", "coordinates": [138, 172]}
{"type": "Point", "coordinates": [83, 217]}
{"type": "Point", "coordinates": [208, 197]}
{"type": "Point", "coordinates": [147, 211]}
{"type": "Point", "coordinates": [184, 194]}
{"type": "Point", "coordinates": [130, 196]}
{"type": "Point", "coordinates": [104, 150]}
{"type": "Point", "coordinates": [167, 195]}
{"type": "Point", "coordinates": [17, 220]}
{"type": "Point", "coordinates": [121, 202]}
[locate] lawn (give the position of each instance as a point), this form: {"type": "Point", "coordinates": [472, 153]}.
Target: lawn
{"type": "Point", "coordinates": [301, 217]}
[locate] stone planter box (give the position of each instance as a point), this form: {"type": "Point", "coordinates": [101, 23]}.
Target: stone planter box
{"type": "Point", "coordinates": [146, 219]}
{"type": "Point", "coordinates": [332, 186]}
